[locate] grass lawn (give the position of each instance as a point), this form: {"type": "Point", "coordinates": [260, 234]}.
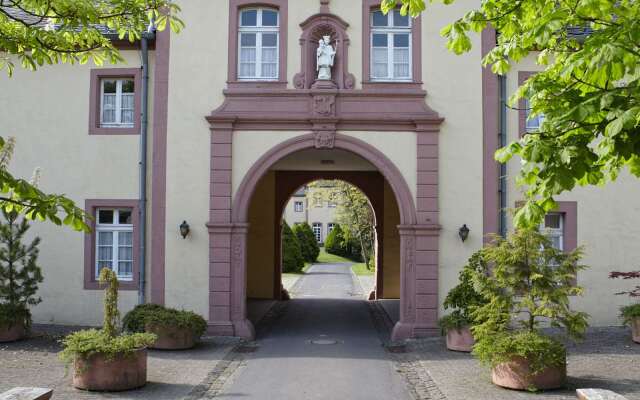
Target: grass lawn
{"type": "Point", "coordinates": [361, 269]}
{"type": "Point", "coordinates": [326, 258]}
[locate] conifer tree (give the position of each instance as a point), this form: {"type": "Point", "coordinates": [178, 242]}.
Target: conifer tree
{"type": "Point", "coordinates": [19, 271]}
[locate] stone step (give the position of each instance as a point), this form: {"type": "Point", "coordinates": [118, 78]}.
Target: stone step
{"type": "Point", "coordinates": [598, 394]}
{"type": "Point", "coordinates": [26, 393]}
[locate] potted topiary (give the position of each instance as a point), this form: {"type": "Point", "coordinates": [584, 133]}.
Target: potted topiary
{"type": "Point", "coordinates": [19, 277]}
{"type": "Point", "coordinates": [462, 299]}
{"type": "Point", "coordinates": [175, 330]}
{"type": "Point", "coordinates": [526, 287]}
{"type": "Point", "coordinates": [104, 360]}
{"type": "Point", "coordinates": [631, 313]}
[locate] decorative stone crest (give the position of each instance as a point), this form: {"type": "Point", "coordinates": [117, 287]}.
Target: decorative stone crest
{"type": "Point", "coordinates": [324, 105]}
{"type": "Point", "coordinates": [324, 139]}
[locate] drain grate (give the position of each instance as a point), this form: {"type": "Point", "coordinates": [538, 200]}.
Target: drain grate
{"type": "Point", "coordinates": [323, 342]}
{"type": "Point", "coordinates": [397, 349]}
{"type": "Point", "coordinates": [246, 349]}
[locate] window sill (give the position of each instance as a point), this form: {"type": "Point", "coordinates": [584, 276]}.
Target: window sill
{"type": "Point", "coordinates": [115, 130]}
{"type": "Point", "coordinates": [257, 84]}
{"type": "Point", "coordinates": [122, 285]}
{"type": "Point", "coordinates": [392, 85]}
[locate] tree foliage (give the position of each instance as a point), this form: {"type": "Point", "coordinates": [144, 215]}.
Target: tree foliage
{"type": "Point", "coordinates": [308, 243]}
{"type": "Point", "coordinates": [588, 90]}
{"type": "Point", "coordinates": [334, 243]}
{"type": "Point", "coordinates": [39, 32]}
{"type": "Point", "coordinates": [19, 271]}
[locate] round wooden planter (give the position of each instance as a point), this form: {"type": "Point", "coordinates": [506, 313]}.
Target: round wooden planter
{"type": "Point", "coordinates": [123, 372]}
{"type": "Point", "coordinates": [171, 337]}
{"type": "Point", "coordinates": [515, 374]}
{"type": "Point", "coordinates": [460, 339]}
{"type": "Point", "coordinates": [635, 329]}
{"type": "Point", "coordinates": [11, 333]}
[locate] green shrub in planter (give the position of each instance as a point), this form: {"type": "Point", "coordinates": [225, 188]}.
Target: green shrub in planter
{"type": "Point", "coordinates": [629, 313]}
{"type": "Point", "coordinates": [526, 288]}
{"type": "Point", "coordinates": [154, 314]}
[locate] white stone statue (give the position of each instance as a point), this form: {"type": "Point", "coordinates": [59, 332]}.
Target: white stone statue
{"type": "Point", "coordinates": [325, 56]}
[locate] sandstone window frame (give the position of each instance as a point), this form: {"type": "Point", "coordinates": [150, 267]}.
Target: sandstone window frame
{"type": "Point", "coordinates": [97, 76]}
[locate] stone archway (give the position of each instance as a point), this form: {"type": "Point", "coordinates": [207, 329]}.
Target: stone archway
{"type": "Point", "coordinates": [228, 261]}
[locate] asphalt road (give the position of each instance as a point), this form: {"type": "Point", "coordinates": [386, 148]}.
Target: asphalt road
{"type": "Point", "coordinates": [347, 360]}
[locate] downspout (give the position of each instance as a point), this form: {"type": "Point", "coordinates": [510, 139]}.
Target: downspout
{"type": "Point", "coordinates": [144, 123]}
{"type": "Point", "coordinates": [502, 140]}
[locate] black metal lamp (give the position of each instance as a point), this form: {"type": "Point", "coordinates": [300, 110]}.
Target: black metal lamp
{"type": "Point", "coordinates": [463, 232]}
{"type": "Point", "coordinates": [184, 229]}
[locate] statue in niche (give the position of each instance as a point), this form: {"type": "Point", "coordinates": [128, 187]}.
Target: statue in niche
{"type": "Point", "coordinates": [325, 57]}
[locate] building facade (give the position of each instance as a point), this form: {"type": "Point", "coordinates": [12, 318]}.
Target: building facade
{"type": "Point", "coordinates": [310, 205]}
{"type": "Point", "coordinates": [238, 122]}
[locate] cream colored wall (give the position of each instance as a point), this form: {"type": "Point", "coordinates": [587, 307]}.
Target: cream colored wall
{"type": "Point", "coordinates": [391, 246]}
{"type": "Point", "coordinates": [47, 112]}
{"type": "Point", "coordinates": [197, 77]}
{"type": "Point", "coordinates": [608, 227]}
{"type": "Point", "coordinates": [454, 89]}
{"type": "Point", "coordinates": [291, 215]}
{"type": "Point", "coordinates": [320, 213]}
{"type": "Point", "coordinates": [261, 239]}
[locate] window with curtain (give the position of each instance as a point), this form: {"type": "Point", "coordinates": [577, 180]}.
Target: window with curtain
{"type": "Point", "coordinates": [553, 228]}
{"type": "Point", "coordinates": [117, 106]}
{"type": "Point", "coordinates": [258, 55]}
{"type": "Point", "coordinates": [390, 46]}
{"type": "Point", "coordinates": [114, 242]}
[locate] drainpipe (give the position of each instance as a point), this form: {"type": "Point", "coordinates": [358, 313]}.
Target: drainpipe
{"type": "Point", "coordinates": [144, 123]}
{"type": "Point", "coordinates": [502, 139]}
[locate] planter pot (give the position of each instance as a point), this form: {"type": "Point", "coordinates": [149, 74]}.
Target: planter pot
{"type": "Point", "coordinates": [635, 329]}
{"type": "Point", "coordinates": [515, 374]}
{"type": "Point", "coordinates": [171, 337]}
{"type": "Point", "coordinates": [11, 333]}
{"type": "Point", "coordinates": [123, 372]}
{"type": "Point", "coordinates": [460, 339]}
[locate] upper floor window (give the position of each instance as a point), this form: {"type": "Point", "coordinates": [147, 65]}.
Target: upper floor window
{"type": "Point", "coordinates": [553, 228]}
{"type": "Point", "coordinates": [258, 32]}
{"type": "Point", "coordinates": [298, 206]}
{"type": "Point", "coordinates": [114, 242]}
{"type": "Point", "coordinates": [390, 46]}
{"type": "Point", "coordinates": [117, 107]}
{"type": "Point", "coordinates": [532, 124]}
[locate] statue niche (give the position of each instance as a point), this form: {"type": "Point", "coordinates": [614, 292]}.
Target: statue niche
{"type": "Point", "coordinates": [324, 49]}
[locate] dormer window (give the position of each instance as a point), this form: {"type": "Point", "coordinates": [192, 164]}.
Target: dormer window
{"type": "Point", "coordinates": [258, 32]}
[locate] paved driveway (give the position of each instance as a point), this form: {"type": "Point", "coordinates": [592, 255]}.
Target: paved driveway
{"type": "Point", "coordinates": [347, 360]}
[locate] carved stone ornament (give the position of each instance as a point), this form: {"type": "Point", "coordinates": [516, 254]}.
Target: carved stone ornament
{"type": "Point", "coordinates": [324, 105]}
{"type": "Point", "coordinates": [325, 139]}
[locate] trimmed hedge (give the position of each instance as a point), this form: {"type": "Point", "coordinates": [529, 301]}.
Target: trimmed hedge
{"type": "Point", "coordinates": [143, 314]}
{"type": "Point", "coordinates": [308, 244]}
{"type": "Point", "coordinates": [292, 260]}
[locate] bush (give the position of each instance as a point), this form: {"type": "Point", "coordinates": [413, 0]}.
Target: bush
{"type": "Point", "coordinates": [136, 319]}
{"type": "Point", "coordinates": [629, 313]}
{"type": "Point", "coordinates": [292, 260]}
{"type": "Point", "coordinates": [83, 344]}
{"type": "Point", "coordinates": [308, 244]}
{"type": "Point", "coordinates": [334, 243]}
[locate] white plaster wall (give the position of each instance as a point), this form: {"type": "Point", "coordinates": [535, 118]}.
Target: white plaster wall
{"type": "Point", "coordinates": [197, 77]}
{"type": "Point", "coordinates": [608, 227]}
{"type": "Point", "coordinates": [454, 89]}
{"type": "Point", "coordinates": [47, 111]}
{"type": "Point", "coordinates": [292, 216]}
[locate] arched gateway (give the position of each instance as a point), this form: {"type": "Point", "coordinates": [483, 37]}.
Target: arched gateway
{"type": "Point", "coordinates": [329, 114]}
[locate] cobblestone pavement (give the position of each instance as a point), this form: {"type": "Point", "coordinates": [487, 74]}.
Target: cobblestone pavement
{"type": "Point", "coordinates": [172, 375]}
{"type": "Point", "coordinates": [607, 359]}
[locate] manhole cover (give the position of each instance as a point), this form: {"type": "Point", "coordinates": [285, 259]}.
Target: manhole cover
{"type": "Point", "coordinates": [323, 341]}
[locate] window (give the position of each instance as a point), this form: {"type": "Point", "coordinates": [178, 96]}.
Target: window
{"type": "Point", "coordinates": [114, 242]}
{"type": "Point", "coordinates": [390, 46]}
{"type": "Point", "coordinates": [532, 124]}
{"type": "Point", "coordinates": [298, 206]}
{"type": "Point", "coordinates": [115, 101]}
{"type": "Point", "coordinates": [317, 200]}
{"type": "Point", "coordinates": [553, 227]}
{"type": "Point", "coordinates": [117, 106]}
{"type": "Point", "coordinates": [330, 227]}
{"type": "Point", "coordinates": [258, 44]}
{"type": "Point", "coordinates": [317, 231]}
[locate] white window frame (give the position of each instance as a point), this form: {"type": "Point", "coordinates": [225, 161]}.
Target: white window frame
{"type": "Point", "coordinates": [318, 232]}
{"type": "Point", "coordinates": [555, 232]}
{"type": "Point", "coordinates": [390, 30]}
{"type": "Point", "coordinates": [258, 30]}
{"type": "Point", "coordinates": [118, 104]}
{"type": "Point", "coordinates": [115, 228]}
{"type": "Point", "coordinates": [298, 206]}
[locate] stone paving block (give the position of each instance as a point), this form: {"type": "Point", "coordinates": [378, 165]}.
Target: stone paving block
{"type": "Point", "coordinates": [27, 393]}
{"type": "Point", "coordinates": [598, 394]}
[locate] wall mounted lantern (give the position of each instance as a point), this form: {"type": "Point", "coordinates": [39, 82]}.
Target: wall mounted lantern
{"type": "Point", "coordinates": [463, 232]}
{"type": "Point", "coordinates": [184, 229]}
